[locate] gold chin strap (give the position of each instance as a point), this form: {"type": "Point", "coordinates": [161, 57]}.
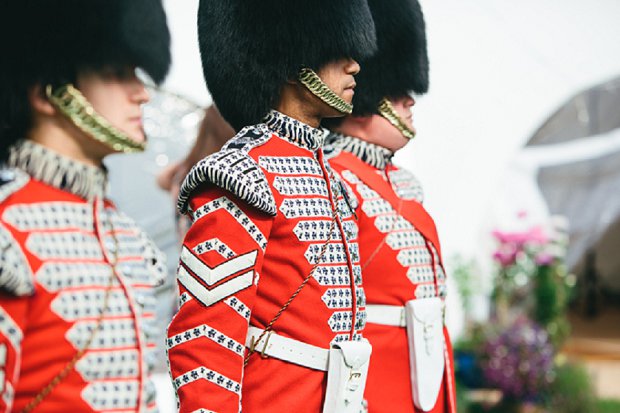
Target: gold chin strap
{"type": "Point", "coordinates": [72, 103]}
{"type": "Point", "coordinates": [313, 82]}
{"type": "Point", "coordinates": [387, 111]}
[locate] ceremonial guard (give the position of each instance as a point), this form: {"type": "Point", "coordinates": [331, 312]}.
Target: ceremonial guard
{"type": "Point", "coordinates": [271, 304]}
{"type": "Point", "coordinates": [411, 369]}
{"type": "Point", "coordinates": [76, 275]}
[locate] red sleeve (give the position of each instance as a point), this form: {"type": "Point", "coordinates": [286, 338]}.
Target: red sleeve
{"type": "Point", "coordinates": [13, 311]}
{"type": "Point", "coordinates": [218, 272]}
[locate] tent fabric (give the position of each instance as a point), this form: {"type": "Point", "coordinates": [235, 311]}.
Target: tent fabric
{"type": "Point", "coordinates": [586, 192]}
{"type": "Point", "coordinates": [589, 113]}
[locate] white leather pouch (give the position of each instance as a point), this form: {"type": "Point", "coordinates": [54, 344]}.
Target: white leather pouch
{"type": "Point", "coordinates": [424, 319]}
{"type": "Point", "coordinates": [346, 376]}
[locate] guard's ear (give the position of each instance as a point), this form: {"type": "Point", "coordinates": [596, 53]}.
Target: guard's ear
{"type": "Point", "coordinates": [39, 101]}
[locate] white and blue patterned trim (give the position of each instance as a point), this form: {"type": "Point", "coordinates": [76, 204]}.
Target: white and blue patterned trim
{"type": "Point", "coordinates": [406, 185]}
{"type": "Point", "coordinates": [223, 203]}
{"type": "Point", "coordinates": [214, 244]}
{"type": "Point", "coordinates": [207, 332]}
{"type": "Point", "coordinates": [183, 299]}
{"type": "Point", "coordinates": [209, 375]}
{"type": "Point", "coordinates": [233, 170]}
{"type": "Point", "coordinates": [342, 321]}
{"type": "Point", "coordinates": [108, 395]}
{"type": "Point", "coordinates": [238, 305]}
{"type": "Point", "coordinates": [372, 154]}
{"type": "Point", "coordinates": [95, 365]}
{"type": "Point", "coordinates": [295, 131]}
{"type": "Point", "coordinates": [290, 165]}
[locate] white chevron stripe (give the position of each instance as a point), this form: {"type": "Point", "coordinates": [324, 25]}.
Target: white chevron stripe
{"type": "Point", "coordinates": [210, 297]}
{"type": "Point", "coordinates": [216, 274]}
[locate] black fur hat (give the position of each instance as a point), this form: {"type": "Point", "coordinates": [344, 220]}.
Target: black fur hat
{"type": "Point", "coordinates": [51, 39]}
{"type": "Point", "coordinates": [400, 65]}
{"type": "Point", "coordinates": [251, 48]}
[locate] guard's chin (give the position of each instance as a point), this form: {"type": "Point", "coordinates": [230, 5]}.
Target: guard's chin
{"type": "Point", "coordinates": [347, 95]}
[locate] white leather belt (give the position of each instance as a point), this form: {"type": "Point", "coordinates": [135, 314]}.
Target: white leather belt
{"type": "Point", "coordinates": [389, 315]}
{"type": "Point", "coordinates": [287, 349]}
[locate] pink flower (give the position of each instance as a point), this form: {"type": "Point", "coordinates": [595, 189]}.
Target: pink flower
{"type": "Point", "coordinates": [505, 256]}
{"type": "Point", "coordinates": [537, 235]}
{"type": "Point", "coordinates": [544, 259]}
{"type": "Point", "coordinates": [508, 237]}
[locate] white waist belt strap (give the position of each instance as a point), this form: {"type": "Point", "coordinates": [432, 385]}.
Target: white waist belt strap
{"type": "Point", "coordinates": [388, 315]}
{"type": "Point", "coordinates": [287, 349]}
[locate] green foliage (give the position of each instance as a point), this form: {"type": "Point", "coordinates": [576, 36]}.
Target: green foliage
{"type": "Point", "coordinates": [462, 402]}
{"type": "Point", "coordinates": [571, 391]}
{"type": "Point", "coordinates": [465, 274]}
{"type": "Point", "coordinates": [550, 302]}
{"type": "Point", "coordinates": [608, 406]}
{"type": "Point", "coordinates": [502, 407]}
{"type": "Point", "coordinates": [474, 338]}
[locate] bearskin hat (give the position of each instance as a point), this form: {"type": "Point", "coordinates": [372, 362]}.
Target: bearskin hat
{"type": "Point", "coordinates": [53, 38]}
{"type": "Point", "coordinates": [400, 65]}
{"type": "Point", "coordinates": [251, 48]}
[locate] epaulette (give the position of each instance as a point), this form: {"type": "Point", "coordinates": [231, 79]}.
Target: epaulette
{"type": "Point", "coordinates": [16, 276]}
{"type": "Point", "coordinates": [11, 181]}
{"type": "Point", "coordinates": [234, 170]}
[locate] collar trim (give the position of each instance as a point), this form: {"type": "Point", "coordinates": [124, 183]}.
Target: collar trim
{"type": "Point", "coordinates": [295, 131]}
{"type": "Point", "coordinates": [56, 170]}
{"type": "Point", "coordinates": [372, 154]}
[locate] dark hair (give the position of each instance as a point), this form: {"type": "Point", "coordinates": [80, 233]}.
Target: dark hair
{"type": "Point", "coordinates": [15, 109]}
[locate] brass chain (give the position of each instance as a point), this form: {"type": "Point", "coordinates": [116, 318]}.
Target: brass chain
{"type": "Point", "coordinates": [71, 364]}
{"type": "Point", "coordinates": [313, 82]}
{"type": "Point", "coordinates": [386, 109]}
{"type": "Point", "coordinates": [72, 103]}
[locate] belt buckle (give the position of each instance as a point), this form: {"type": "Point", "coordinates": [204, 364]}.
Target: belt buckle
{"type": "Point", "coordinates": [254, 342]}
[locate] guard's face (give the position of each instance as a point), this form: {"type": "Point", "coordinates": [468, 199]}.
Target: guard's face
{"type": "Point", "coordinates": [117, 95]}
{"type": "Point", "coordinates": [403, 106]}
{"type": "Point", "coordinates": [387, 135]}
{"type": "Point", "coordinates": [338, 75]}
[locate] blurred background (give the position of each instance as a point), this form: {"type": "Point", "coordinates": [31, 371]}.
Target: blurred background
{"type": "Point", "coordinates": [518, 149]}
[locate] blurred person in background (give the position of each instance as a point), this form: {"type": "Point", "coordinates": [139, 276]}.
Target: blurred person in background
{"type": "Point", "coordinates": [213, 133]}
{"type": "Point", "coordinates": [271, 260]}
{"type": "Point", "coordinates": [76, 275]}
{"type": "Point", "coordinates": [411, 369]}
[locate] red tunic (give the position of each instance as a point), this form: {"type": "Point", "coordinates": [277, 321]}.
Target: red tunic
{"type": "Point", "coordinates": [262, 210]}
{"type": "Point", "coordinates": [398, 264]}
{"type": "Point", "coordinates": [56, 234]}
